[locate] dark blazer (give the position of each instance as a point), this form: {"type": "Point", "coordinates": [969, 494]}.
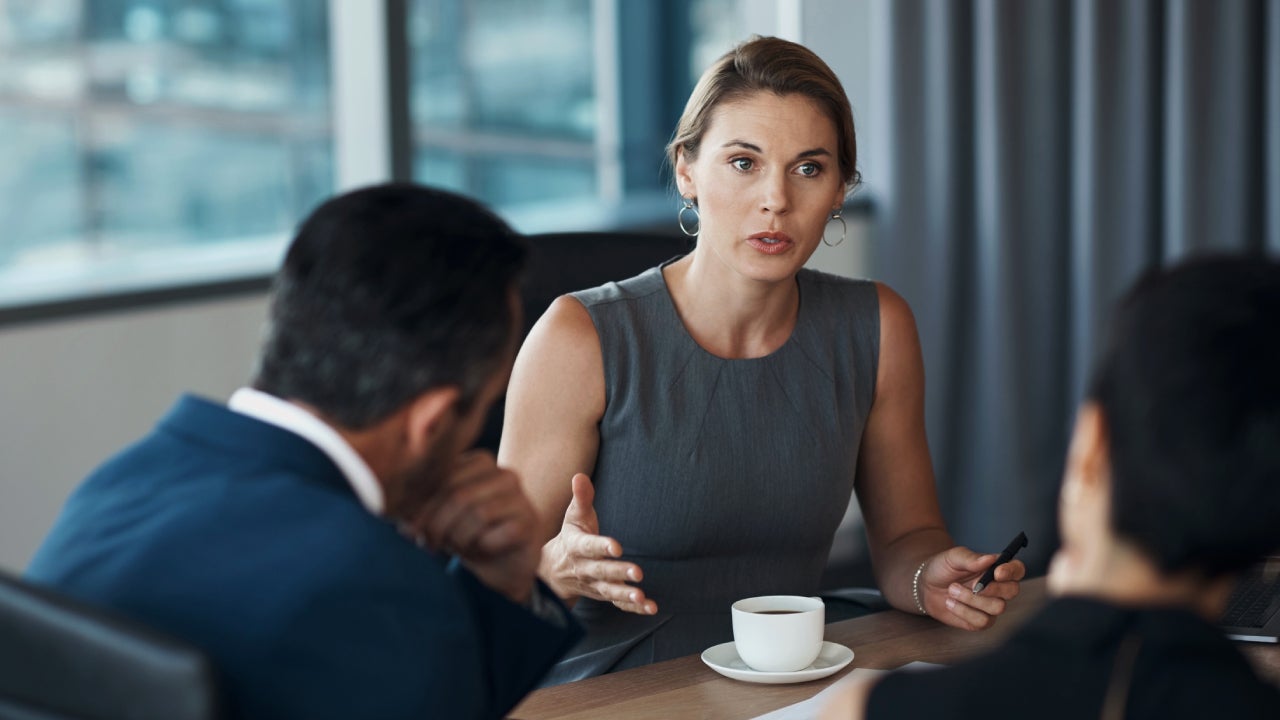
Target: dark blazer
{"type": "Point", "coordinates": [246, 540]}
{"type": "Point", "coordinates": [1063, 662]}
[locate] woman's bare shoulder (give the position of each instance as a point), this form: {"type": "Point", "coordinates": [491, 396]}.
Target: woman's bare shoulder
{"type": "Point", "coordinates": [560, 359]}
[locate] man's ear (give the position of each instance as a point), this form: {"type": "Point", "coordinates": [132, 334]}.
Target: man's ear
{"type": "Point", "coordinates": [1089, 459]}
{"type": "Point", "coordinates": [684, 176]}
{"type": "Point", "coordinates": [428, 415]}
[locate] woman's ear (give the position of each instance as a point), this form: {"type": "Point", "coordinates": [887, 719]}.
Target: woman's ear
{"type": "Point", "coordinates": [684, 176]}
{"type": "Point", "coordinates": [429, 416]}
{"type": "Point", "coordinates": [842, 194]}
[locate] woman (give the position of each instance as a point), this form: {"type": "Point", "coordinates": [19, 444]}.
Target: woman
{"type": "Point", "coordinates": [727, 403]}
{"type": "Point", "coordinates": [1169, 491]}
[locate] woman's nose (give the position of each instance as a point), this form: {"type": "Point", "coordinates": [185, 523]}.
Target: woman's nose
{"type": "Point", "coordinates": [774, 197]}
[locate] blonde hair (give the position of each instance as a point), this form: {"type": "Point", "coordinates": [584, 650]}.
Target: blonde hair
{"type": "Point", "coordinates": [778, 66]}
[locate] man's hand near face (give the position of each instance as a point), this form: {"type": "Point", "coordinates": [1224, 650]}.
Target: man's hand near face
{"type": "Point", "coordinates": [483, 517]}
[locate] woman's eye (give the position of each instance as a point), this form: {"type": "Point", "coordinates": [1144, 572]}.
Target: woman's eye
{"type": "Point", "coordinates": [809, 169]}
{"type": "Point", "coordinates": [743, 164]}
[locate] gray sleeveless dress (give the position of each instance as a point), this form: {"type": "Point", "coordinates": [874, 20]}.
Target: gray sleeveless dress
{"type": "Point", "coordinates": [721, 478]}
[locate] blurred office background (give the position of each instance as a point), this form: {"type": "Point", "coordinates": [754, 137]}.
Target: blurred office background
{"type": "Point", "coordinates": [1024, 160]}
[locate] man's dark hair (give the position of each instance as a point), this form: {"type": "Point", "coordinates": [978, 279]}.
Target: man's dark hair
{"type": "Point", "coordinates": [385, 293]}
{"type": "Point", "coordinates": [1189, 384]}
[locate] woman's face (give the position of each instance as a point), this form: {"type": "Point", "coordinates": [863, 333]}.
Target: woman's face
{"type": "Point", "coordinates": [766, 180]}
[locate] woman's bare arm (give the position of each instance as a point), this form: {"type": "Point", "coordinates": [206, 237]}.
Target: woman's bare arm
{"type": "Point", "coordinates": [550, 435]}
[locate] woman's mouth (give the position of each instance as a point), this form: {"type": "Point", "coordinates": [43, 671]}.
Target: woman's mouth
{"type": "Point", "coordinates": [771, 242]}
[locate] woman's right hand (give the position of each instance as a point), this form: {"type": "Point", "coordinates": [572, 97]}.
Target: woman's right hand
{"type": "Point", "coordinates": [579, 561]}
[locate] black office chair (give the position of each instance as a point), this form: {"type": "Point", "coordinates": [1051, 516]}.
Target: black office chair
{"type": "Point", "coordinates": [561, 263]}
{"type": "Point", "coordinates": [63, 660]}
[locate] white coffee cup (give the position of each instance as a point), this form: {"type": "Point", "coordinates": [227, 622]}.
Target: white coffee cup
{"type": "Point", "coordinates": [778, 633]}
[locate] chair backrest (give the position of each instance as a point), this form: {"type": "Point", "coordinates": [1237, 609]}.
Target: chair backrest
{"type": "Point", "coordinates": [561, 263]}
{"type": "Point", "coordinates": [61, 659]}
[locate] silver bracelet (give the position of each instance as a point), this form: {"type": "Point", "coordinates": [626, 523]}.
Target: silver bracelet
{"type": "Point", "coordinates": [915, 588]}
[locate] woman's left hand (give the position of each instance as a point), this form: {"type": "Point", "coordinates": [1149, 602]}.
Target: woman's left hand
{"type": "Point", "coordinates": [946, 588]}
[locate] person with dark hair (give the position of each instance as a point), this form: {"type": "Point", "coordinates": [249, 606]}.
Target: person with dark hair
{"type": "Point", "coordinates": [325, 537]}
{"type": "Point", "coordinates": [1171, 488]}
{"type": "Point", "coordinates": [693, 435]}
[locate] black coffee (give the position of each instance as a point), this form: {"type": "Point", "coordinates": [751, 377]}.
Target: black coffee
{"type": "Point", "coordinates": [777, 612]}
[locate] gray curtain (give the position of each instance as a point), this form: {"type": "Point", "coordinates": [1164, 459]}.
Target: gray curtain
{"type": "Point", "coordinates": [1044, 153]}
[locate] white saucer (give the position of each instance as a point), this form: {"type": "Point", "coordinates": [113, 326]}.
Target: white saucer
{"type": "Point", "coordinates": [723, 658]}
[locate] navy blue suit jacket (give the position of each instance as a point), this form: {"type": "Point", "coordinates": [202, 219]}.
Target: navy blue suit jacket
{"type": "Point", "coordinates": [246, 540]}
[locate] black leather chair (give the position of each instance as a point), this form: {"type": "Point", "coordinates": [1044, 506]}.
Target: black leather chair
{"type": "Point", "coordinates": [61, 659]}
{"type": "Point", "coordinates": [561, 263]}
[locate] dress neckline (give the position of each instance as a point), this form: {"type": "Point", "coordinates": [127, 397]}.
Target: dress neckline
{"type": "Point", "coordinates": [669, 304]}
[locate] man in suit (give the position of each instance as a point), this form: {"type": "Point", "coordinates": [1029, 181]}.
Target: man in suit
{"type": "Point", "coordinates": [326, 537]}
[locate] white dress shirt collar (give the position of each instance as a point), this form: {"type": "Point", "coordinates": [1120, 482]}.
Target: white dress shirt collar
{"type": "Point", "coordinates": [281, 413]}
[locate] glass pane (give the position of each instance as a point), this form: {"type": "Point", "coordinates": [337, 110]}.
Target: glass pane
{"type": "Point", "coordinates": [503, 98]}
{"type": "Point", "coordinates": [515, 179]}
{"type": "Point", "coordinates": [39, 182]}
{"type": "Point", "coordinates": [535, 179]}
{"type": "Point", "coordinates": [234, 183]}
{"type": "Point", "coordinates": [129, 125]}
{"type": "Point", "coordinates": [715, 26]}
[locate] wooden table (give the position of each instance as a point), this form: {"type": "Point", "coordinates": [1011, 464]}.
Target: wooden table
{"type": "Point", "coordinates": [685, 687]}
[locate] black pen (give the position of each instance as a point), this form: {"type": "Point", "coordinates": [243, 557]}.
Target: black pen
{"type": "Point", "coordinates": [1009, 551]}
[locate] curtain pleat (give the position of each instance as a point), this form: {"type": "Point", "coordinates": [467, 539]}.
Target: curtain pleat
{"type": "Point", "coordinates": [1044, 154]}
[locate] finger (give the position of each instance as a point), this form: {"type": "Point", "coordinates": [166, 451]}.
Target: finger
{"type": "Point", "coordinates": [958, 564]}
{"type": "Point", "coordinates": [618, 593]}
{"type": "Point", "coordinates": [964, 616]}
{"type": "Point", "coordinates": [1012, 571]}
{"type": "Point", "coordinates": [469, 467]}
{"type": "Point", "coordinates": [610, 571]}
{"type": "Point", "coordinates": [626, 597]}
{"type": "Point", "coordinates": [476, 457]}
{"type": "Point", "coordinates": [466, 470]}
{"type": "Point", "coordinates": [443, 521]}
{"type": "Point", "coordinates": [1004, 590]}
{"type": "Point", "coordinates": [1006, 578]}
{"type": "Point", "coordinates": [498, 525]}
{"type": "Point", "coordinates": [512, 533]}
{"type": "Point", "coordinates": [988, 604]}
{"type": "Point", "coordinates": [486, 500]}
{"type": "Point", "coordinates": [586, 545]}
{"type": "Point", "coordinates": [633, 600]}
{"type": "Point", "coordinates": [972, 562]}
{"type": "Point", "coordinates": [648, 607]}
{"type": "Point", "coordinates": [581, 511]}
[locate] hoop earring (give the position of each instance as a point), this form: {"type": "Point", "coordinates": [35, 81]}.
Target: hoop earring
{"type": "Point", "coordinates": [688, 205]}
{"type": "Point", "coordinates": [843, 229]}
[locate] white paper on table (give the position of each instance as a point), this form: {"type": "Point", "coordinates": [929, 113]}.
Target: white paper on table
{"type": "Point", "coordinates": [809, 709]}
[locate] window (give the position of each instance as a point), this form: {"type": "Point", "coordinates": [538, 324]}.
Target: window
{"type": "Point", "coordinates": [557, 112]}
{"type": "Point", "coordinates": [163, 143]}
{"type": "Point", "coordinates": [503, 98]}
{"type": "Point", "coordinates": [141, 138]}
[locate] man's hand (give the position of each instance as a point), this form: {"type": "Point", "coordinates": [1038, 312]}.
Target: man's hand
{"type": "Point", "coordinates": [485, 519]}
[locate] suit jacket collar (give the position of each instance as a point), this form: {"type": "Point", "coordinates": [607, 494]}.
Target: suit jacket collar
{"type": "Point", "coordinates": [284, 414]}
{"type": "Point", "coordinates": [214, 425]}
